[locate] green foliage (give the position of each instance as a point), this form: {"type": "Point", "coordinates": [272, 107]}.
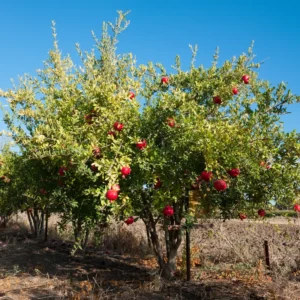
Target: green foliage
{"type": "Point", "coordinates": [60, 117]}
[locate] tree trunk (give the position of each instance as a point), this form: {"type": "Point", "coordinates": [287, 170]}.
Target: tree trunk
{"type": "Point", "coordinates": [36, 221]}
{"type": "Point", "coordinates": [46, 226]}
{"type": "Point", "coordinates": [86, 238]}
{"type": "Point", "coordinates": [77, 236]}
{"type": "Point", "coordinates": [148, 237]}
{"type": "Point", "coordinates": [173, 239]}
{"type": "Point", "coordinates": [41, 223]}
{"type": "Point", "coordinates": [30, 219]}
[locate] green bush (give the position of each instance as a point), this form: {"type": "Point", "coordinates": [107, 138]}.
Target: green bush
{"type": "Point", "coordinates": [281, 213]}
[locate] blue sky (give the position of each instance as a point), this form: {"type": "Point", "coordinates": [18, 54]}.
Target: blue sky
{"type": "Point", "coordinates": [159, 30]}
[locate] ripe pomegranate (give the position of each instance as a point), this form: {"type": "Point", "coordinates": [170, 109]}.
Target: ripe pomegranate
{"type": "Point", "coordinates": [217, 100]}
{"type": "Point", "coordinates": [168, 211]}
{"type": "Point", "coordinates": [234, 172]}
{"type": "Point", "coordinates": [171, 122]}
{"type": "Point", "coordinates": [97, 152]}
{"type": "Point", "coordinates": [118, 126]}
{"type": "Point", "coordinates": [131, 95]}
{"type": "Point", "coordinates": [141, 145]}
{"type": "Point", "coordinates": [43, 191]}
{"type": "Point", "coordinates": [195, 186]}
{"type": "Point", "coordinates": [268, 167]}
{"type": "Point", "coordinates": [112, 133]}
{"type": "Point", "coordinates": [129, 221]}
{"type": "Point", "coordinates": [242, 216]}
{"type": "Point", "coordinates": [261, 212]}
{"type": "Point", "coordinates": [220, 185]}
{"type": "Point", "coordinates": [62, 171]}
{"type": "Point", "coordinates": [165, 80]}
{"type": "Point", "coordinates": [112, 195]}
{"type": "Point", "coordinates": [246, 79]}
{"type": "Point", "coordinates": [297, 207]}
{"type": "Point", "coordinates": [89, 119]}
{"type": "Point", "coordinates": [206, 176]}
{"type": "Point", "coordinates": [125, 171]}
{"type": "Point", "coordinates": [116, 187]}
{"type": "Point", "coordinates": [158, 184]}
{"type": "Point", "coordinates": [235, 91]}
{"type": "Point", "coordinates": [262, 163]}
{"type": "Point", "coordinates": [94, 168]}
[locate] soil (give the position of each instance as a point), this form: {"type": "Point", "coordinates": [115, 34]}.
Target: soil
{"type": "Point", "coordinates": [31, 269]}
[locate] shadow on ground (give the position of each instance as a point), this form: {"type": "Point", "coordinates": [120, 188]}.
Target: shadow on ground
{"type": "Point", "coordinates": [39, 270]}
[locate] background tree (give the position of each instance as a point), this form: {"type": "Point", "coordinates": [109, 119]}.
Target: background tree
{"type": "Point", "coordinates": [79, 121]}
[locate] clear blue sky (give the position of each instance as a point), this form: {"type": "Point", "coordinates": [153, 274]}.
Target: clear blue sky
{"type": "Point", "coordinates": [159, 30]}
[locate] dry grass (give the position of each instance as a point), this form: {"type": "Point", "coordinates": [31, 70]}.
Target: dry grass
{"type": "Point", "coordinates": [227, 259]}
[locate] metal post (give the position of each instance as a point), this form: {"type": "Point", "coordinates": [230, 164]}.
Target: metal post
{"type": "Point", "coordinates": [188, 242]}
{"type": "Point", "coordinates": [267, 255]}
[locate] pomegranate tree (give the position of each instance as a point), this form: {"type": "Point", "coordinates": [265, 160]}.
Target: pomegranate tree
{"type": "Point", "coordinates": [217, 132]}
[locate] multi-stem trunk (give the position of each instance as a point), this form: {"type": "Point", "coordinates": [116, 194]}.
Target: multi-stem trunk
{"type": "Point", "coordinates": [173, 239]}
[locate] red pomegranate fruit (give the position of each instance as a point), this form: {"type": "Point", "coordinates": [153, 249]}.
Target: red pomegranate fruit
{"type": "Point", "coordinates": [116, 187]}
{"type": "Point", "coordinates": [297, 207]}
{"type": "Point", "coordinates": [97, 152]}
{"type": "Point", "coordinates": [235, 91]}
{"type": "Point", "coordinates": [206, 176]}
{"type": "Point", "coordinates": [168, 211]}
{"type": "Point", "coordinates": [171, 122]}
{"type": "Point", "coordinates": [234, 172]}
{"type": "Point", "coordinates": [118, 126]}
{"type": "Point", "coordinates": [220, 185]}
{"type": "Point", "coordinates": [125, 171]}
{"type": "Point", "coordinates": [157, 184]}
{"type": "Point", "coordinates": [164, 80]}
{"type": "Point", "coordinates": [111, 132]}
{"type": "Point", "coordinates": [242, 216]}
{"type": "Point", "coordinates": [131, 95]}
{"type": "Point", "coordinates": [261, 212]}
{"type": "Point", "coordinates": [62, 171]}
{"type": "Point", "coordinates": [217, 100]}
{"type": "Point", "coordinates": [141, 145]}
{"type": "Point", "coordinates": [245, 78]}
{"type": "Point", "coordinates": [112, 195]}
{"type": "Point", "coordinates": [94, 168]}
{"type": "Point", "coordinates": [88, 119]}
{"type": "Point", "coordinates": [129, 221]}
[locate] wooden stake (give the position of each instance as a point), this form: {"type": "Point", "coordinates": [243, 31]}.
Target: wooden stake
{"type": "Point", "coordinates": [267, 255]}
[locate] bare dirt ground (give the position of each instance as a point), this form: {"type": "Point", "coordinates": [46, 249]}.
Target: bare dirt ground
{"type": "Point", "coordinates": [31, 269]}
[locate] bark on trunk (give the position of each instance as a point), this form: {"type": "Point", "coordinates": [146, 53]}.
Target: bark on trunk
{"type": "Point", "coordinates": [30, 219]}
{"type": "Point", "coordinates": [86, 238]}
{"type": "Point", "coordinates": [41, 223]}
{"type": "Point", "coordinates": [173, 241]}
{"type": "Point", "coordinates": [46, 226]}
